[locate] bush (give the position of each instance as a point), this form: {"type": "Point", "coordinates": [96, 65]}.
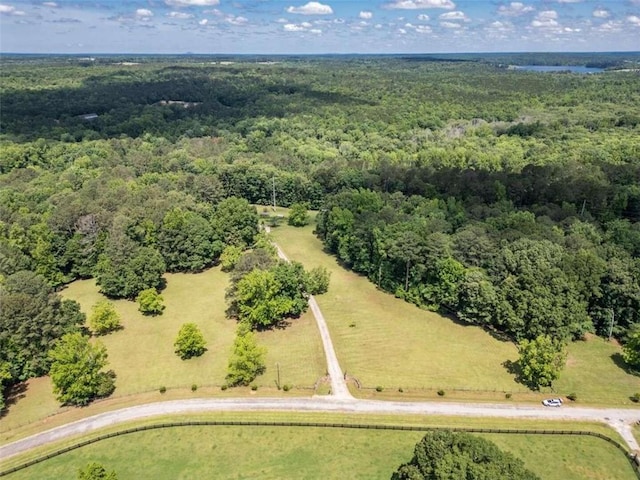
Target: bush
{"type": "Point", "coordinates": [163, 389]}
{"type": "Point", "coordinates": [194, 387]}
{"type": "Point", "coordinates": [507, 395]}
{"type": "Point", "coordinates": [441, 393]}
{"type": "Point", "coordinates": [400, 389]}
{"type": "Point", "coordinates": [254, 387]}
{"type": "Point", "coordinates": [286, 387]}
{"type": "Point", "coordinates": [379, 388]}
{"type": "Point", "coordinates": [572, 396]}
{"type": "Point", "coordinates": [224, 387]}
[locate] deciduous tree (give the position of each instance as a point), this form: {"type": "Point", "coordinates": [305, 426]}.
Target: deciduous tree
{"type": "Point", "coordinates": [541, 360]}
{"type": "Point", "coordinates": [104, 318]}
{"type": "Point", "coordinates": [150, 302]}
{"type": "Point", "coordinates": [189, 342]}
{"type": "Point", "coordinates": [76, 370]}
{"type": "Point", "coordinates": [446, 455]}
{"type": "Point", "coordinates": [247, 359]}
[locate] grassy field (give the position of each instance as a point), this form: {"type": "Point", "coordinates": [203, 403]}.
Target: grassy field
{"type": "Point", "coordinates": [142, 353]}
{"type": "Point", "coordinates": [383, 341]}
{"type": "Point", "coordinates": [294, 452]}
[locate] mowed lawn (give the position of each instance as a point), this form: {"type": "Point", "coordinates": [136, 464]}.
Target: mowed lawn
{"type": "Point", "coordinates": [142, 353]}
{"type": "Point", "coordinates": [384, 341]}
{"type": "Point", "coordinates": [309, 452]}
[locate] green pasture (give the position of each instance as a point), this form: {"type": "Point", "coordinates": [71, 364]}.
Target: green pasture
{"type": "Point", "coordinates": [384, 341]}
{"type": "Point", "coordinates": [310, 452]}
{"type": "Point", "coordinates": [142, 353]}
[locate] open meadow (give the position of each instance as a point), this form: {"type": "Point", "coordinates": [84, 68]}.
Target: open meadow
{"type": "Point", "coordinates": [311, 452]}
{"type": "Point", "coordinates": [142, 352]}
{"type": "Point", "coordinates": [384, 341]}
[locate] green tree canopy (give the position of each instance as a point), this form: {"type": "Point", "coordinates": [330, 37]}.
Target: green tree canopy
{"type": "Point", "coordinates": [32, 319]}
{"type": "Point", "coordinates": [104, 318]}
{"type": "Point", "coordinates": [190, 342]}
{"type": "Point", "coordinates": [298, 216]}
{"type": "Point", "coordinates": [235, 221]}
{"type": "Point", "coordinates": [247, 359]}
{"type": "Point", "coordinates": [187, 241]}
{"type": "Point", "coordinates": [541, 360]}
{"type": "Point", "coordinates": [446, 455]}
{"type": "Point", "coordinates": [150, 302]}
{"type": "Point", "coordinates": [76, 370]}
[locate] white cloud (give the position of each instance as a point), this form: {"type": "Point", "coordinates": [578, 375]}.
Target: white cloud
{"type": "Point", "coordinates": [292, 27]}
{"type": "Point", "coordinates": [192, 3]}
{"type": "Point", "coordinates": [10, 10]}
{"type": "Point", "coordinates": [366, 15]}
{"type": "Point", "coordinates": [317, 31]}
{"type": "Point", "coordinates": [50, 4]}
{"type": "Point", "coordinates": [457, 15]}
{"type": "Point", "coordinates": [237, 20]}
{"type": "Point", "coordinates": [311, 8]}
{"type": "Point", "coordinates": [545, 19]}
{"type": "Point", "coordinates": [306, 25]}
{"type": "Point", "coordinates": [203, 22]}
{"type": "Point", "coordinates": [610, 26]}
{"type": "Point", "coordinates": [144, 13]}
{"type": "Point", "coordinates": [417, 4]}
{"type": "Point", "coordinates": [514, 9]}
{"type": "Point", "coordinates": [423, 17]}
{"type": "Point", "coordinates": [179, 15]}
{"type": "Point", "coordinates": [634, 20]}
{"type": "Point", "coordinates": [402, 31]}
{"type": "Point", "coordinates": [601, 13]}
{"type": "Point", "coordinates": [569, 1]}
{"type": "Point", "coordinates": [282, 20]}
{"type": "Point", "coordinates": [423, 29]}
{"type": "Point", "coordinates": [450, 24]}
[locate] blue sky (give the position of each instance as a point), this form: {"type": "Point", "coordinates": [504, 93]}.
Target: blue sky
{"type": "Point", "coordinates": [326, 26]}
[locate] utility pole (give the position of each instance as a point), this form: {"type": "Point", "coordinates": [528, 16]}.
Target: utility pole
{"type": "Point", "coordinates": [611, 324]}
{"type": "Point", "coordinates": [273, 195]}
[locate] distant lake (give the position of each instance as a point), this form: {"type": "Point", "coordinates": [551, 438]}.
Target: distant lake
{"type": "Point", "coordinates": [558, 68]}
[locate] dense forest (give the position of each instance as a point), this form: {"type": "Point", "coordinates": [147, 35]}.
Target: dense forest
{"type": "Point", "coordinates": [508, 198]}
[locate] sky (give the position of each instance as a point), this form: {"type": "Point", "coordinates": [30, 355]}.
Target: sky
{"type": "Point", "coordinates": [326, 26]}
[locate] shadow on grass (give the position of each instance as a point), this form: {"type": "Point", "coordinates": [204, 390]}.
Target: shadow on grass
{"type": "Point", "coordinates": [620, 363]}
{"type": "Point", "coordinates": [13, 395]}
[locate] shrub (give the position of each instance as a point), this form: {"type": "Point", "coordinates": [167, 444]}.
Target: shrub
{"type": "Point", "coordinates": [572, 396]}
{"type": "Point", "coordinates": [286, 387]}
{"type": "Point", "coordinates": [441, 393]}
{"type": "Point", "coordinates": [379, 388]}
{"type": "Point", "coordinates": [635, 398]}
{"type": "Point", "coordinates": [254, 387]}
{"type": "Point", "coordinates": [400, 389]}
{"type": "Point", "coordinates": [163, 389]}
{"type": "Point", "coordinates": [507, 395]}
{"type": "Point", "coordinates": [224, 387]}
{"type": "Point", "coordinates": [194, 387]}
